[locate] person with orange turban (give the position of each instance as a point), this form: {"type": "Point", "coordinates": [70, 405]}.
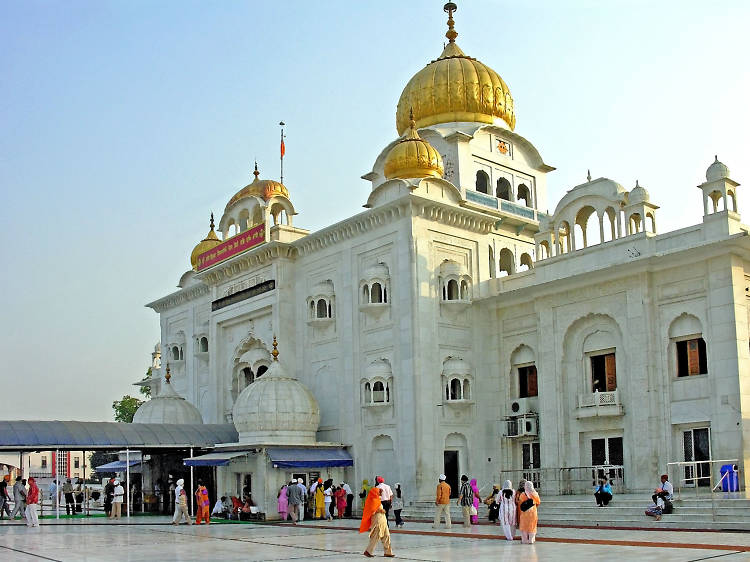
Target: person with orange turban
{"type": "Point", "coordinates": [373, 520]}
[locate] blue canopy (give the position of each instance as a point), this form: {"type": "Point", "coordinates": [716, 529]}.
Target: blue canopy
{"type": "Point", "coordinates": [213, 459]}
{"type": "Point", "coordinates": [115, 466]}
{"type": "Point", "coordinates": [292, 457]}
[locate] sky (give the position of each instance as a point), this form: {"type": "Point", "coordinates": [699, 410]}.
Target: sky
{"type": "Point", "coordinates": [123, 124]}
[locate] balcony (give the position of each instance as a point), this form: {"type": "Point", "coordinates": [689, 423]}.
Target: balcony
{"type": "Point", "coordinates": [599, 404]}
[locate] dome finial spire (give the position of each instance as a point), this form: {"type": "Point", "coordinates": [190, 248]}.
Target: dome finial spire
{"type": "Point", "coordinates": [256, 173]}
{"type": "Point", "coordinates": [211, 222]}
{"type": "Point", "coordinates": [588, 175]}
{"type": "Point", "coordinates": [451, 34]}
{"type": "Point", "coordinates": [275, 351]}
{"type": "Point", "coordinates": [168, 375]}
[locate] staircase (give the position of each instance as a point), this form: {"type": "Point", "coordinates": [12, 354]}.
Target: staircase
{"type": "Point", "coordinates": [707, 511]}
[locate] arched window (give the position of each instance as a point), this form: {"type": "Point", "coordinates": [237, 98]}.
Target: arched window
{"type": "Point", "coordinates": [368, 393]}
{"type": "Point", "coordinates": [483, 182]}
{"type": "Point", "coordinates": [376, 294]}
{"type": "Point", "coordinates": [466, 390]}
{"type": "Point", "coordinates": [455, 390]}
{"type": "Point", "coordinates": [503, 189]}
{"type": "Point", "coordinates": [544, 249]}
{"type": "Point", "coordinates": [506, 262]}
{"type": "Point", "coordinates": [312, 309]}
{"type": "Point", "coordinates": [181, 354]}
{"type": "Point", "coordinates": [452, 290]}
{"type": "Point", "coordinates": [176, 353]}
{"type": "Point", "coordinates": [322, 309]}
{"type": "Point", "coordinates": [262, 369]}
{"type": "Point", "coordinates": [204, 345]}
{"type": "Point", "coordinates": [385, 294]}
{"type": "Point", "coordinates": [365, 294]}
{"type": "Point", "coordinates": [378, 392]}
{"type": "Point", "coordinates": [464, 290]}
{"type": "Point", "coordinates": [524, 194]}
{"type": "Point", "coordinates": [526, 262]}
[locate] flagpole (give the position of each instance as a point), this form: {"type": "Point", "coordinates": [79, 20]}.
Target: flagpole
{"type": "Point", "coordinates": [281, 123]}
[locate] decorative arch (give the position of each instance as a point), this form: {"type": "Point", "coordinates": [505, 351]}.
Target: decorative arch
{"type": "Point", "coordinates": [383, 458]}
{"type": "Point", "coordinates": [524, 194]}
{"type": "Point", "coordinates": [249, 356]}
{"type": "Point", "coordinates": [506, 263]}
{"type": "Point", "coordinates": [482, 182]}
{"type": "Point", "coordinates": [526, 263]}
{"type": "Point", "coordinates": [503, 189]}
{"type": "Point", "coordinates": [687, 350]}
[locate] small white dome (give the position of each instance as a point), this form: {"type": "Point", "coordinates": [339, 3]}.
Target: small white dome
{"type": "Point", "coordinates": [379, 368]}
{"type": "Point", "coordinates": [717, 170]}
{"type": "Point", "coordinates": [377, 271]}
{"type": "Point", "coordinates": [167, 407]}
{"type": "Point", "coordinates": [277, 409]}
{"type": "Point", "coordinates": [450, 267]}
{"type": "Point", "coordinates": [638, 194]}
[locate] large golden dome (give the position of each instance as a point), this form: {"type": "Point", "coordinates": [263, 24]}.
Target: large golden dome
{"type": "Point", "coordinates": [455, 87]}
{"type": "Point", "coordinates": [413, 157]}
{"type": "Point", "coordinates": [264, 189]}
{"type": "Point", "coordinates": [208, 243]}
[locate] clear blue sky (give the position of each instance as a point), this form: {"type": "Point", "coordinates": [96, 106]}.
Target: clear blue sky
{"type": "Point", "coordinates": [123, 124]}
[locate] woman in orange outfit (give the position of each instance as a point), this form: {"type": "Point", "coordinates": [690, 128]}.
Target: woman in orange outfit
{"type": "Point", "coordinates": [203, 504]}
{"type": "Point", "coordinates": [528, 501]}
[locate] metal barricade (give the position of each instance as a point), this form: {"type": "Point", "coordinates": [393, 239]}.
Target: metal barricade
{"type": "Point", "coordinates": [705, 475]}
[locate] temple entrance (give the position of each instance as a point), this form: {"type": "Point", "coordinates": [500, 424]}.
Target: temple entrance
{"type": "Point", "coordinates": [450, 467]}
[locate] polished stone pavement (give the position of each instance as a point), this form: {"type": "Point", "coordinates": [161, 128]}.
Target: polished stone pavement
{"type": "Point", "coordinates": [153, 538]}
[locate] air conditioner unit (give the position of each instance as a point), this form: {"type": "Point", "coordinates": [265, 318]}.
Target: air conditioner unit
{"type": "Point", "coordinates": [528, 426]}
{"type": "Point", "coordinates": [521, 406]}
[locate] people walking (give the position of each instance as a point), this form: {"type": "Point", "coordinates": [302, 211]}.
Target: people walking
{"type": "Point", "coordinates": [493, 507]}
{"type": "Point", "coordinates": [398, 504]}
{"type": "Point", "coordinates": [327, 499]}
{"type": "Point", "coordinates": [466, 500]}
{"type": "Point", "coordinates": [180, 504]}
{"type": "Point", "coordinates": [32, 504]}
{"type": "Point", "coordinates": [373, 520]}
{"type": "Point", "coordinates": [339, 497]}
{"type": "Point", "coordinates": [507, 508]}
{"type": "Point", "coordinates": [320, 503]}
{"type": "Point", "coordinates": [282, 502]}
{"type": "Point", "coordinates": [19, 498]}
{"type": "Point", "coordinates": [386, 495]}
{"type": "Point", "coordinates": [442, 503]}
{"type": "Point", "coordinates": [303, 489]}
{"type": "Point", "coordinates": [70, 505]}
{"type": "Point", "coordinates": [203, 504]}
{"type": "Point", "coordinates": [117, 500]}
{"type": "Point", "coordinates": [295, 500]}
{"type": "Point", "coordinates": [4, 497]}
{"type": "Point", "coordinates": [349, 499]}
{"type": "Point", "coordinates": [109, 492]}
{"type": "Point", "coordinates": [364, 491]}
{"type": "Point", "coordinates": [475, 502]}
{"type": "Point", "coordinates": [529, 517]}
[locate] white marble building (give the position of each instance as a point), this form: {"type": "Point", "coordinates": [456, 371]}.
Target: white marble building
{"type": "Point", "coordinates": [455, 327]}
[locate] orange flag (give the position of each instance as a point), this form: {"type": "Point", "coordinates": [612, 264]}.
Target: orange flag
{"type": "Point", "coordinates": [283, 149]}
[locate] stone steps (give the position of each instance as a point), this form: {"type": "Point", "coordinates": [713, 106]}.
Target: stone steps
{"type": "Point", "coordinates": [706, 512]}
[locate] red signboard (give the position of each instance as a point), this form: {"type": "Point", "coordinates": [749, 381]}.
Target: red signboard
{"type": "Point", "coordinates": [235, 245]}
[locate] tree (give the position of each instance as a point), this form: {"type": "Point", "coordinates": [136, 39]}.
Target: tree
{"type": "Point", "coordinates": [98, 458]}
{"type": "Point", "coordinates": [125, 409]}
{"type": "Point", "coordinates": [146, 390]}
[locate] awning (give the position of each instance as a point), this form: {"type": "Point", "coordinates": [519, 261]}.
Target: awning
{"type": "Point", "coordinates": [115, 466]}
{"type": "Point", "coordinates": [24, 435]}
{"type": "Point", "coordinates": [283, 457]}
{"type": "Point", "coordinates": [213, 459]}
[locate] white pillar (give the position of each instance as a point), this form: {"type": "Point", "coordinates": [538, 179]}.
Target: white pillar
{"type": "Point", "coordinates": [127, 478]}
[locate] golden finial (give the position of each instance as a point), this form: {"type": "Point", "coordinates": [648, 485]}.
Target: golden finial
{"type": "Point", "coordinates": [451, 34]}
{"type": "Point", "coordinates": [275, 351]}
{"type": "Point", "coordinates": [256, 173]}
{"type": "Point", "coordinates": [212, 220]}
{"type": "Point", "coordinates": [412, 123]}
{"type": "Point", "coordinates": [168, 375]}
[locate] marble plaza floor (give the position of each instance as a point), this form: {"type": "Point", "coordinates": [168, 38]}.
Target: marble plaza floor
{"type": "Point", "coordinates": [153, 538]}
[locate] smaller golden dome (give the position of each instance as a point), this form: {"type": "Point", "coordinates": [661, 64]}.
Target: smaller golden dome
{"type": "Point", "coordinates": [259, 188]}
{"type": "Point", "coordinates": [413, 157]}
{"type": "Point", "coordinates": [208, 243]}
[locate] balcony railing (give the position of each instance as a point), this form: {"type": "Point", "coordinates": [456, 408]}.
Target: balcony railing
{"type": "Point", "coordinates": [503, 205]}
{"type": "Point", "coordinates": [600, 404]}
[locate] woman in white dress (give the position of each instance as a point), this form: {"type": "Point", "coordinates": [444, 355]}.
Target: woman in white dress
{"type": "Point", "coordinates": [507, 514]}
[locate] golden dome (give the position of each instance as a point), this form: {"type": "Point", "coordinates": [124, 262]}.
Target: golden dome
{"type": "Point", "coordinates": [413, 157]}
{"type": "Point", "coordinates": [259, 188]}
{"type": "Point", "coordinates": [208, 243]}
{"type": "Point", "coordinates": [455, 87]}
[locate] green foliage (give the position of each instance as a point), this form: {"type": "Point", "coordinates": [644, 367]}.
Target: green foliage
{"type": "Point", "coordinates": [125, 409]}
{"type": "Point", "coordinates": [146, 390]}
{"type": "Point", "coordinates": [98, 458]}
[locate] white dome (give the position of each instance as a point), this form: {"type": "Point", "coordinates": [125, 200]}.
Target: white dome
{"type": "Point", "coordinates": [377, 271]}
{"type": "Point", "coordinates": [167, 407]}
{"type": "Point", "coordinates": [450, 267]}
{"type": "Point", "coordinates": [638, 194]}
{"type": "Point", "coordinates": [379, 368]}
{"type": "Point", "coordinates": [277, 409]}
{"type": "Point", "coordinates": [717, 170]}
{"type": "Point", "coordinates": [456, 366]}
